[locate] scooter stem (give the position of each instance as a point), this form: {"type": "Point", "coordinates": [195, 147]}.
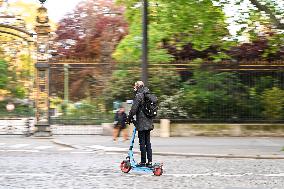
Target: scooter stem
{"type": "Point", "coordinates": [132, 139]}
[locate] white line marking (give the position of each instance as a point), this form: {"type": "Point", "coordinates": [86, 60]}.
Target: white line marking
{"type": "Point", "coordinates": [275, 175]}
{"type": "Point", "coordinates": [112, 153]}
{"type": "Point", "coordinates": [65, 149]}
{"type": "Point", "coordinates": [105, 148]}
{"type": "Point", "coordinates": [43, 147]}
{"type": "Point", "coordinates": [83, 152]}
{"type": "Point", "coordinates": [225, 175]}
{"type": "Point", "coordinates": [99, 147]}
{"type": "Point", "coordinates": [21, 150]}
{"type": "Point", "coordinates": [19, 145]}
{"type": "Point", "coordinates": [26, 174]}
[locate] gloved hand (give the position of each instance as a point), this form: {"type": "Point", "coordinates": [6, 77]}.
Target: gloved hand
{"type": "Point", "coordinates": [128, 120]}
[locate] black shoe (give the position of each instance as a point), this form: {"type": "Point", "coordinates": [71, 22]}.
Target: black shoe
{"type": "Point", "coordinates": [149, 164]}
{"type": "Point", "coordinates": [141, 164]}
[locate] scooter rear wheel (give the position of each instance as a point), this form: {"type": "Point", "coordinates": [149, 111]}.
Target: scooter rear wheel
{"type": "Point", "coordinates": [125, 166]}
{"type": "Point", "coordinates": [158, 171]}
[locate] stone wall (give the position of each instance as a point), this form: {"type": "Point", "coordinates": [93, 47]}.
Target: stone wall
{"type": "Point", "coordinates": [181, 129]}
{"type": "Point", "coordinates": [76, 130]}
{"type": "Point", "coordinates": [187, 129]}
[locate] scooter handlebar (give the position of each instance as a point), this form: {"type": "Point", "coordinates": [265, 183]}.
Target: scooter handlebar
{"type": "Point", "coordinates": [130, 120]}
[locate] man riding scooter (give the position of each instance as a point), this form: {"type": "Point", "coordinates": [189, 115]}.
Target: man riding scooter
{"type": "Point", "coordinates": [144, 124]}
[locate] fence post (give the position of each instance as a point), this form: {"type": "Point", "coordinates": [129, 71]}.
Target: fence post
{"type": "Point", "coordinates": [164, 128]}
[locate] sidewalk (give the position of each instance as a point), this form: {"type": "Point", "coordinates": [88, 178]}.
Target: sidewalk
{"type": "Point", "coordinates": [218, 147]}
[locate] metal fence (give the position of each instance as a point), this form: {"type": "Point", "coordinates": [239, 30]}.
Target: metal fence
{"type": "Point", "coordinates": [226, 92]}
{"type": "Point", "coordinates": [231, 92]}
{"type": "Point", "coordinates": [74, 88]}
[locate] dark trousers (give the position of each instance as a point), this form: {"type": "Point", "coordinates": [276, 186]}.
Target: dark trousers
{"type": "Point", "coordinates": [145, 145]}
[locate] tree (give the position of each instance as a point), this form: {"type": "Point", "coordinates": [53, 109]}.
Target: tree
{"type": "Point", "coordinates": [92, 30]}
{"type": "Point", "coordinates": [177, 23]}
{"type": "Point", "coordinates": [258, 21]}
{"type": "Point", "coordinates": [119, 87]}
{"type": "Point", "coordinates": [272, 100]}
{"type": "Point", "coordinates": [3, 74]}
{"type": "Point", "coordinates": [272, 9]}
{"type": "Point", "coordinates": [215, 95]}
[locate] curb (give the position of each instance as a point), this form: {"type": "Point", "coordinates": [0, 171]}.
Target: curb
{"type": "Point", "coordinates": [68, 145]}
{"type": "Point", "coordinates": [33, 137]}
{"type": "Point", "coordinates": [188, 155]}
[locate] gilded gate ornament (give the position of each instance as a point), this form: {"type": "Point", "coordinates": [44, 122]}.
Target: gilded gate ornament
{"type": "Point", "coordinates": [42, 17]}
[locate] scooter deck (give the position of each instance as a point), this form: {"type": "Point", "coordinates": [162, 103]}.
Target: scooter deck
{"type": "Point", "coordinates": [143, 169]}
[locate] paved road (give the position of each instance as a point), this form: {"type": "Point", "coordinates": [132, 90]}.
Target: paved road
{"type": "Point", "coordinates": [86, 170]}
{"type": "Point", "coordinates": [24, 167]}
{"type": "Point", "coordinates": [242, 146]}
{"type": "Point", "coordinates": [24, 144]}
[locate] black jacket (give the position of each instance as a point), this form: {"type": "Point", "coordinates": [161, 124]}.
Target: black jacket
{"type": "Point", "coordinates": [143, 122]}
{"type": "Point", "coordinates": [120, 118]}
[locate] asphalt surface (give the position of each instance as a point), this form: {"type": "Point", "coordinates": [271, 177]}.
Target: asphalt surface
{"type": "Point", "coordinates": [239, 147]}
{"type": "Point", "coordinates": [101, 170]}
{"type": "Point", "coordinates": [40, 163]}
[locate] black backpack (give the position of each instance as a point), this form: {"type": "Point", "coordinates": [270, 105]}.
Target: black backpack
{"type": "Point", "coordinates": [150, 105]}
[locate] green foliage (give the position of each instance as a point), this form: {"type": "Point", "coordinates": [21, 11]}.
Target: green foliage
{"type": "Point", "coordinates": [164, 82]}
{"type": "Point", "coordinates": [222, 96]}
{"type": "Point", "coordinates": [255, 17]}
{"type": "Point", "coordinates": [84, 112]}
{"type": "Point", "coordinates": [253, 107]}
{"type": "Point", "coordinates": [83, 109]}
{"type": "Point", "coordinates": [3, 74]}
{"type": "Point", "coordinates": [19, 111]}
{"type": "Point", "coordinates": [14, 77]}
{"type": "Point", "coordinates": [263, 83]}
{"type": "Point", "coordinates": [18, 92]}
{"type": "Point", "coordinates": [273, 102]}
{"type": "Point", "coordinates": [217, 94]}
{"type": "Point", "coordinates": [120, 86]}
{"type": "Point", "coordinates": [177, 22]}
{"type": "Point", "coordinates": [172, 107]}
{"type": "Point", "coordinates": [275, 43]}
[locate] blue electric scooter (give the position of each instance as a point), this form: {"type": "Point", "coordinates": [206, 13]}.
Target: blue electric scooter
{"type": "Point", "coordinates": [129, 163]}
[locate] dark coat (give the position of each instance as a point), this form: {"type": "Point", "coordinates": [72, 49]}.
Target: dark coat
{"type": "Point", "coordinates": [143, 123]}
{"type": "Point", "coordinates": [120, 118]}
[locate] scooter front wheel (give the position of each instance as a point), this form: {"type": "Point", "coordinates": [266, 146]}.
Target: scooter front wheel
{"type": "Point", "coordinates": [125, 166]}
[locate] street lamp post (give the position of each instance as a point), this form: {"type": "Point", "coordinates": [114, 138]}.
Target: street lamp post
{"type": "Point", "coordinates": [145, 42]}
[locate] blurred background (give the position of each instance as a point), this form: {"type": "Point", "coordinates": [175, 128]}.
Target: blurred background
{"type": "Point", "coordinates": [209, 61]}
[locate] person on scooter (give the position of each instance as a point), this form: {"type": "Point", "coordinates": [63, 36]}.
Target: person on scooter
{"type": "Point", "coordinates": [143, 124]}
